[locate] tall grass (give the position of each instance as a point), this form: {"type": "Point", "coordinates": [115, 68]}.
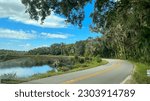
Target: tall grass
{"type": "Point", "coordinates": [10, 78]}
{"type": "Point", "coordinates": [140, 73]}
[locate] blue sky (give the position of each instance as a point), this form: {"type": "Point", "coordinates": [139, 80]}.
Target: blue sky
{"type": "Point", "coordinates": [18, 32]}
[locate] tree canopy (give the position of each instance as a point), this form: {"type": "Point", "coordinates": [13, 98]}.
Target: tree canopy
{"type": "Point", "coordinates": [124, 23]}
{"type": "Point", "coordinates": [73, 10]}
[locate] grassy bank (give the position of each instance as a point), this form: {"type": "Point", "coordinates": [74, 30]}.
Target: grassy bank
{"type": "Point", "coordinates": [61, 70]}
{"type": "Point", "coordinates": [140, 73]}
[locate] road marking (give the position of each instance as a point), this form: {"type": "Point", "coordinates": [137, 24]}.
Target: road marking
{"type": "Point", "coordinates": [117, 65]}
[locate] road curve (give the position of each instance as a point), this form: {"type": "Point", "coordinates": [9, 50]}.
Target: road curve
{"type": "Point", "coordinates": [112, 73]}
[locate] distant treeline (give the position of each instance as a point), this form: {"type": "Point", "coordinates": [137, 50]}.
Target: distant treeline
{"type": "Point", "coordinates": [89, 47]}
{"type": "Point", "coordinates": [10, 54]}
{"type": "Point", "coordinates": [13, 52]}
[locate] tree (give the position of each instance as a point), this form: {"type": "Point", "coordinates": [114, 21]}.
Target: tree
{"type": "Point", "coordinates": [73, 10]}
{"type": "Point", "coordinates": [39, 51]}
{"type": "Point", "coordinates": [55, 49]}
{"type": "Point", "coordinates": [124, 23]}
{"type": "Point", "coordinates": [80, 48]}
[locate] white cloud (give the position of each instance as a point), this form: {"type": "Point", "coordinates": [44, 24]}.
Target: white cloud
{"type": "Point", "coordinates": [20, 46]}
{"type": "Point", "coordinates": [43, 46]}
{"type": "Point", "coordinates": [50, 35]}
{"type": "Point", "coordinates": [15, 10]}
{"type": "Point", "coordinates": [26, 46]}
{"type": "Point", "coordinates": [12, 34]}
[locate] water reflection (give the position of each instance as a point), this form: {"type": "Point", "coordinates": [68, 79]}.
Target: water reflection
{"type": "Point", "coordinates": [26, 71]}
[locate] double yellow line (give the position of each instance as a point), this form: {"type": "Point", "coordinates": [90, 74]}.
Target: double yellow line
{"type": "Point", "coordinates": [113, 66]}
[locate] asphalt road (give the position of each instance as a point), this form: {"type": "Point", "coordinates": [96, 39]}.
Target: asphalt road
{"type": "Point", "coordinates": [112, 73]}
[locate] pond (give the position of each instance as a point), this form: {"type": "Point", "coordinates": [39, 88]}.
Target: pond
{"type": "Point", "coordinates": [26, 71]}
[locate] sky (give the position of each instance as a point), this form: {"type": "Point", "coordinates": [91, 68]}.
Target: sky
{"type": "Point", "coordinates": [19, 32]}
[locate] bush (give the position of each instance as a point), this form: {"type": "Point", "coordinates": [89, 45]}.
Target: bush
{"type": "Point", "coordinates": [76, 58]}
{"type": "Point", "coordinates": [87, 58]}
{"type": "Point", "coordinates": [64, 69]}
{"type": "Point", "coordinates": [72, 61]}
{"type": "Point", "coordinates": [98, 59]}
{"type": "Point", "coordinates": [85, 65]}
{"type": "Point", "coordinates": [70, 66]}
{"type": "Point", "coordinates": [81, 60]}
{"type": "Point", "coordinates": [8, 76]}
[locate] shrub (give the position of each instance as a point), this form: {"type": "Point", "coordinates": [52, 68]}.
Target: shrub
{"type": "Point", "coordinates": [72, 61]}
{"type": "Point", "coordinates": [85, 65]}
{"type": "Point", "coordinates": [8, 76]}
{"type": "Point", "coordinates": [87, 58]}
{"type": "Point", "coordinates": [81, 60]}
{"type": "Point", "coordinates": [64, 69]}
{"type": "Point", "coordinates": [70, 66]}
{"type": "Point", "coordinates": [76, 58]}
{"type": "Point", "coordinates": [98, 59]}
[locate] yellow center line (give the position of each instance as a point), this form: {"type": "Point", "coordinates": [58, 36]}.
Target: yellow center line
{"type": "Point", "coordinates": [117, 65]}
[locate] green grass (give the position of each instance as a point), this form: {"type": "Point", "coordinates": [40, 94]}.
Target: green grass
{"type": "Point", "coordinates": [88, 65]}
{"type": "Point", "coordinates": [12, 81]}
{"type": "Point", "coordinates": [140, 73]}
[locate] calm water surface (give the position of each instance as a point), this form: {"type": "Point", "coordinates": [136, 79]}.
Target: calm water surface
{"type": "Point", "coordinates": [26, 71]}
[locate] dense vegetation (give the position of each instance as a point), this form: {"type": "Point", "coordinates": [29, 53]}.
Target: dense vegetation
{"type": "Point", "coordinates": [126, 26]}
{"type": "Point", "coordinates": [124, 23]}
{"type": "Point", "coordinates": [10, 54]}
{"type": "Point", "coordinates": [89, 47]}
{"type": "Point", "coordinates": [140, 74]}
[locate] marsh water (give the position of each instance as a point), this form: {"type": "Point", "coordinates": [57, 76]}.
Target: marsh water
{"type": "Point", "coordinates": [26, 71]}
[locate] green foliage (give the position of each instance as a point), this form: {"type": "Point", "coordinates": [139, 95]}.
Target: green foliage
{"type": "Point", "coordinates": [124, 23]}
{"type": "Point", "coordinates": [8, 76]}
{"type": "Point", "coordinates": [10, 54]}
{"type": "Point", "coordinates": [80, 48]}
{"type": "Point", "coordinates": [73, 10]}
{"type": "Point", "coordinates": [98, 58]}
{"type": "Point", "coordinates": [39, 51]}
{"type": "Point", "coordinates": [64, 69]}
{"type": "Point", "coordinates": [140, 74]}
{"type": "Point", "coordinates": [88, 58]}
{"type": "Point", "coordinates": [81, 60]}
{"type": "Point", "coordinates": [88, 48]}
{"type": "Point", "coordinates": [76, 58]}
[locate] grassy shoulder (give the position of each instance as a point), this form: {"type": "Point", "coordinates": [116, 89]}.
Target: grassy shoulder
{"type": "Point", "coordinates": [140, 73]}
{"type": "Point", "coordinates": [63, 70]}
